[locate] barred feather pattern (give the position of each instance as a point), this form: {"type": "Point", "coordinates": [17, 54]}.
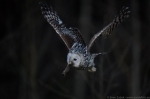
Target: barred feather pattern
{"type": "Point", "coordinates": [124, 13]}
{"type": "Point", "coordinates": [69, 35]}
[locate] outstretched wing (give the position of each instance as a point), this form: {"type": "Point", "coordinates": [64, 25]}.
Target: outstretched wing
{"type": "Point", "coordinates": [68, 35]}
{"type": "Point", "coordinates": [124, 13]}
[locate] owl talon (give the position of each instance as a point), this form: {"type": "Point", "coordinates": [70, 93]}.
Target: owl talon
{"type": "Point", "coordinates": [66, 70]}
{"type": "Point", "coordinates": [92, 69]}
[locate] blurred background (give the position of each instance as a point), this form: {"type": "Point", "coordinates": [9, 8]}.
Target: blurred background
{"type": "Point", "coordinates": [33, 56]}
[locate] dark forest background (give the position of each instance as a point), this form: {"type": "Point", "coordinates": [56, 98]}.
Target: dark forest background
{"type": "Point", "coordinates": [32, 55]}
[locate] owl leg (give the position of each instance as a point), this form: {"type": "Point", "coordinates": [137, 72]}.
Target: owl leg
{"type": "Point", "coordinates": [66, 70]}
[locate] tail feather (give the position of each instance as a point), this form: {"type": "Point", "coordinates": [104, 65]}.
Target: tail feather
{"type": "Point", "coordinates": [96, 54]}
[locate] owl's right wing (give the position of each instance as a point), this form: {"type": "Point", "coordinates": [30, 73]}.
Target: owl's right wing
{"type": "Point", "coordinates": [69, 35]}
{"type": "Point", "coordinates": [124, 13]}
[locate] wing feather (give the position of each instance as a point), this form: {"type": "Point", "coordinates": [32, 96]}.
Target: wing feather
{"type": "Point", "coordinates": [124, 13]}
{"type": "Point", "coordinates": [68, 35]}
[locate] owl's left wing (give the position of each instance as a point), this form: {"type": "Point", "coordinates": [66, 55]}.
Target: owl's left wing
{"type": "Point", "coordinates": [68, 35]}
{"type": "Point", "coordinates": [124, 13]}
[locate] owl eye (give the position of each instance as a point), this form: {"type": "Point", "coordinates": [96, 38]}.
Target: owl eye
{"type": "Point", "coordinates": [74, 59]}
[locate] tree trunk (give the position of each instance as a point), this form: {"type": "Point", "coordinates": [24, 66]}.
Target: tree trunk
{"type": "Point", "coordinates": [135, 69]}
{"type": "Point", "coordinates": [28, 86]}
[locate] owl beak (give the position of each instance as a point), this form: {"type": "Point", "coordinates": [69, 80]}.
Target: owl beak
{"type": "Point", "coordinates": [70, 63]}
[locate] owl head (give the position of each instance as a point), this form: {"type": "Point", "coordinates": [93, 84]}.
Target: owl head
{"type": "Point", "coordinates": [74, 59]}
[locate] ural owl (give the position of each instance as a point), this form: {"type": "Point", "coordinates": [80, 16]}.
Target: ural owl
{"type": "Point", "coordinates": [79, 55]}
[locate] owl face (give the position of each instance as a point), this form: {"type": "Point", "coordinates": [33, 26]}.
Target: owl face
{"type": "Point", "coordinates": [74, 59]}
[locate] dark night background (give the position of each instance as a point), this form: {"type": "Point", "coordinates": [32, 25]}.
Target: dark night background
{"type": "Point", "coordinates": [32, 55]}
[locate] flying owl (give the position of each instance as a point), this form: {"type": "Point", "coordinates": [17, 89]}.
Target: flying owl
{"type": "Point", "coordinates": [79, 55]}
